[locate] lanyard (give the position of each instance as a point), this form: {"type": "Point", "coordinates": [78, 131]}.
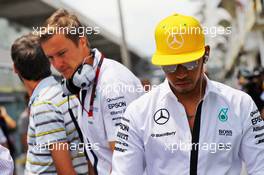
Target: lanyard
{"type": "Point", "coordinates": [90, 112]}
{"type": "Point", "coordinates": [195, 141]}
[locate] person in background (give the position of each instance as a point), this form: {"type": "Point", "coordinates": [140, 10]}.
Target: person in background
{"type": "Point", "coordinates": [23, 122]}
{"type": "Point", "coordinates": [6, 118]}
{"type": "Point", "coordinates": [7, 125]}
{"type": "Point", "coordinates": [53, 142]}
{"type": "Point", "coordinates": [22, 126]}
{"type": "Point", "coordinates": [3, 140]}
{"type": "Point", "coordinates": [251, 82]}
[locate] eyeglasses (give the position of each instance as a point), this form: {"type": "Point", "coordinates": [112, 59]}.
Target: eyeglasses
{"type": "Point", "coordinates": [189, 66]}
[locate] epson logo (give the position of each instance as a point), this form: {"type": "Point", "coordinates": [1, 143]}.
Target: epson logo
{"type": "Point", "coordinates": [117, 105]}
{"type": "Point", "coordinates": [223, 132]}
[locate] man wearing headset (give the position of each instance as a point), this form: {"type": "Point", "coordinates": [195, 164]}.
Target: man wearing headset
{"type": "Point", "coordinates": [189, 124]}
{"type": "Point", "coordinates": [105, 87]}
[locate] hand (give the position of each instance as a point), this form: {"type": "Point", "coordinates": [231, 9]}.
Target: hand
{"type": "Point", "coordinates": [3, 111]}
{"type": "Point", "coordinates": [58, 154]}
{"type": "Point", "coordinates": [11, 124]}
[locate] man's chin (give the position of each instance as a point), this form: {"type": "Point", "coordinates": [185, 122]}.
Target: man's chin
{"type": "Point", "coordinates": [183, 90]}
{"type": "Point", "coordinates": [66, 75]}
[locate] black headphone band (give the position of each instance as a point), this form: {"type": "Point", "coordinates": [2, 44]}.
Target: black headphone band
{"type": "Point", "coordinates": [71, 87]}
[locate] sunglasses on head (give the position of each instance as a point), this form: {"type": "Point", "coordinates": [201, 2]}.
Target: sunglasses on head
{"type": "Point", "coordinates": [173, 68]}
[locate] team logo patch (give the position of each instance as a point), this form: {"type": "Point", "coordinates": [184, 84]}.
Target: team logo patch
{"type": "Point", "coordinates": [225, 132]}
{"type": "Point", "coordinates": [222, 116]}
{"type": "Point", "coordinates": [174, 40]}
{"type": "Point", "coordinates": [162, 116]}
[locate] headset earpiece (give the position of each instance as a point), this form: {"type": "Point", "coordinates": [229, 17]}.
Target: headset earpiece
{"type": "Point", "coordinates": [81, 78]}
{"type": "Point", "coordinates": [84, 76]}
{"type": "Point", "coordinates": [206, 57]}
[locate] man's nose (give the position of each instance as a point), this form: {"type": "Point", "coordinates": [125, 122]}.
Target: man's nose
{"type": "Point", "coordinates": [57, 62]}
{"type": "Point", "coordinates": [181, 72]}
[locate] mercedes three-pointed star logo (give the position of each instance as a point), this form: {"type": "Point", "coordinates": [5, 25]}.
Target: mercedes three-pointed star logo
{"type": "Point", "coordinates": [161, 116]}
{"type": "Point", "coordinates": [175, 41]}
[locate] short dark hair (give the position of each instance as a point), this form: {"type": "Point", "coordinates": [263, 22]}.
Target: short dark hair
{"type": "Point", "coordinates": [29, 58]}
{"type": "Point", "coordinates": [62, 19]}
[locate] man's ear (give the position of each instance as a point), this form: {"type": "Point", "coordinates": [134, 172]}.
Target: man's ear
{"type": "Point", "coordinates": [206, 54]}
{"type": "Point", "coordinates": [83, 41]}
{"type": "Point", "coordinates": [15, 69]}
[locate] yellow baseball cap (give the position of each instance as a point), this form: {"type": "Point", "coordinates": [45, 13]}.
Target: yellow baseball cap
{"type": "Point", "coordinates": [179, 39]}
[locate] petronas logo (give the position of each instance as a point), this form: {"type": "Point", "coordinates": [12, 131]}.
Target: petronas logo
{"type": "Point", "coordinates": [222, 116]}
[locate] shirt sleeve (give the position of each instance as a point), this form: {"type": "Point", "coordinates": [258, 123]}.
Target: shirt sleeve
{"type": "Point", "coordinates": [128, 157]}
{"type": "Point", "coordinates": [115, 101]}
{"type": "Point", "coordinates": [49, 125]}
{"type": "Point", "coordinates": [252, 145]}
{"type": "Point", "coordinates": [6, 162]}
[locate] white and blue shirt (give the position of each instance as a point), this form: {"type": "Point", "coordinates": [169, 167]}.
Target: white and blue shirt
{"type": "Point", "coordinates": [49, 123]}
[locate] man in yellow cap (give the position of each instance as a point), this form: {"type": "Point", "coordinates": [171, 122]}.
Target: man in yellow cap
{"type": "Point", "coordinates": [188, 124]}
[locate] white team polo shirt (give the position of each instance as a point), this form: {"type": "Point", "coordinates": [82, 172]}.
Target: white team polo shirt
{"type": "Point", "coordinates": [155, 135]}
{"type": "Point", "coordinates": [116, 88]}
